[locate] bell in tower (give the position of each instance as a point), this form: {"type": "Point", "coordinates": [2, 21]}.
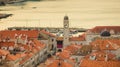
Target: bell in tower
{"type": "Point", "coordinates": [66, 31]}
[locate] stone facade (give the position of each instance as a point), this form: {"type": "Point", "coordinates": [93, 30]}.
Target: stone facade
{"type": "Point", "coordinates": [66, 32]}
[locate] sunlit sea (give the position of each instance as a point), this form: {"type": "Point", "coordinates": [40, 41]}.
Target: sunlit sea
{"type": "Point", "coordinates": [82, 13]}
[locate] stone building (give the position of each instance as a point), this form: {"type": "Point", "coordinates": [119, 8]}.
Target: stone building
{"type": "Point", "coordinates": [21, 49]}
{"type": "Point", "coordinates": [66, 31]}
{"type": "Point", "coordinates": [97, 31]}
{"type": "Point", "coordinates": [49, 39]}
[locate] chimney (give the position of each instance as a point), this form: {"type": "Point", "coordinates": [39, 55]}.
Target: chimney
{"type": "Point", "coordinates": [16, 35]}
{"type": "Point", "coordinates": [107, 46]}
{"type": "Point", "coordinates": [16, 40]}
{"type": "Point", "coordinates": [3, 57]}
{"type": "Point", "coordinates": [29, 42]}
{"type": "Point", "coordinates": [106, 57]}
{"type": "Point", "coordinates": [20, 35]}
{"type": "Point", "coordinates": [26, 39]}
{"type": "Point", "coordinates": [4, 40]}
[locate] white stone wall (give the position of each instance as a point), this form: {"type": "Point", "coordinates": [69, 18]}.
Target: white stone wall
{"type": "Point", "coordinates": [90, 37]}
{"type": "Point", "coordinates": [35, 59]}
{"type": "Point", "coordinates": [13, 64]}
{"type": "Point", "coordinates": [53, 42]}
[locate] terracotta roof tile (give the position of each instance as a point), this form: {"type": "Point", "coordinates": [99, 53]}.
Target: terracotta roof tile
{"type": "Point", "coordinates": [91, 63]}
{"type": "Point", "coordinates": [64, 54]}
{"type": "Point", "coordinates": [106, 44]}
{"type": "Point", "coordinates": [7, 44]}
{"type": "Point", "coordinates": [68, 51]}
{"type": "Point", "coordinates": [21, 55]}
{"type": "Point", "coordinates": [4, 52]}
{"type": "Point", "coordinates": [47, 33]}
{"type": "Point", "coordinates": [39, 44]}
{"type": "Point", "coordinates": [32, 49]}
{"type": "Point", "coordinates": [77, 39]}
{"type": "Point", "coordinates": [54, 64]}
{"type": "Point", "coordinates": [100, 56]}
{"type": "Point", "coordinates": [11, 34]}
{"type": "Point", "coordinates": [60, 63]}
{"type": "Point", "coordinates": [73, 48]}
{"type": "Point", "coordinates": [100, 60]}
{"type": "Point", "coordinates": [28, 56]}
{"type": "Point", "coordinates": [11, 57]}
{"type": "Point", "coordinates": [99, 29]}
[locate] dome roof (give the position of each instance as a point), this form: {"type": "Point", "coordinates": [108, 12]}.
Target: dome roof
{"type": "Point", "coordinates": [66, 18]}
{"type": "Point", "coordinates": [105, 33]}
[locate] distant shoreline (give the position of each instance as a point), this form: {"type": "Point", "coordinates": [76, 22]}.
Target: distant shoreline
{"type": "Point", "coordinates": [4, 2]}
{"type": "Point", "coordinates": [4, 15]}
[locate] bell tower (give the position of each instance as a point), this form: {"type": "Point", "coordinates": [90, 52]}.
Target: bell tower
{"type": "Point", "coordinates": [66, 31]}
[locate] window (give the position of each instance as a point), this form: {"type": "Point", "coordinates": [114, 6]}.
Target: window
{"type": "Point", "coordinates": [33, 63]}
{"type": "Point", "coordinates": [45, 52]}
{"type": "Point", "coordinates": [52, 47]}
{"type": "Point", "coordinates": [59, 44]}
{"type": "Point", "coordinates": [52, 40]}
{"type": "Point", "coordinates": [59, 50]}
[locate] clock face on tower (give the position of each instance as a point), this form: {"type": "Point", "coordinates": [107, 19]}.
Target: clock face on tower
{"type": "Point", "coordinates": [66, 25]}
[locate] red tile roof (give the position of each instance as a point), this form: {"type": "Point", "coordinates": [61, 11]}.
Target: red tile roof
{"type": "Point", "coordinates": [20, 55]}
{"type": "Point", "coordinates": [64, 54]}
{"type": "Point", "coordinates": [7, 44]}
{"type": "Point", "coordinates": [47, 33]}
{"type": "Point", "coordinates": [99, 29]}
{"type": "Point", "coordinates": [11, 34]}
{"type": "Point", "coordinates": [28, 56]}
{"type": "Point", "coordinates": [73, 48]}
{"type": "Point", "coordinates": [4, 52]}
{"type": "Point", "coordinates": [106, 44]}
{"type": "Point", "coordinates": [100, 55]}
{"type": "Point", "coordinates": [79, 38]}
{"type": "Point", "coordinates": [68, 51]}
{"type": "Point", "coordinates": [11, 57]}
{"type": "Point", "coordinates": [31, 47]}
{"type": "Point", "coordinates": [91, 63]}
{"type": "Point", "coordinates": [38, 43]}
{"type": "Point", "coordinates": [59, 63]}
{"type": "Point", "coordinates": [53, 64]}
{"type": "Point", "coordinates": [99, 60]}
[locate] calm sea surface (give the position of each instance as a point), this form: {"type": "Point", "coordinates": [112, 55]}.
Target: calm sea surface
{"type": "Point", "coordinates": [82, 13]}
